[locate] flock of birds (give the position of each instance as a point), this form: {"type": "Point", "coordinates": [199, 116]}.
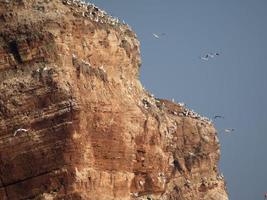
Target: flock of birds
{"type": "Point", "coordinates": [95, 14]}
{"type": "Point", "coordinates": [206, 57]}
{"type": "Point", "coordinates": [98, 15]}
{"type": "Point", "coordinates": [226, 130]}
{"type": "Point", "coordinates": [209, 56]}
{"type": "Point", "coordinates": [91, 11]}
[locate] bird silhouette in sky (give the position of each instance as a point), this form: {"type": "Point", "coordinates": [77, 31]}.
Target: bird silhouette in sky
{"type": "Point", "coordinates": [229, 130]}
{"type": "Point", "coordinates": [158, 36]}
{"type": "Point", "coordinates": [208, 56]}
{"type": "Point", "coordinates": [218, 116]}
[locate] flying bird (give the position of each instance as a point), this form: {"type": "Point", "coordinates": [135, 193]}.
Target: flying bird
{"type": "Point", "coordinates": [229, 130]}
{"type": "Point", "coordinates": [206, 57]}
{"type": "Point", "coordinates": [157, 35]}
{"type": "Point", "coordinates": [218, 116]}
{"type": "Point", "coordinates": [20, 130]}
{"type": "Point", "coordinates": [209, 55]}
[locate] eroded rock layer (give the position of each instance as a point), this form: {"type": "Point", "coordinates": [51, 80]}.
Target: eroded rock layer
{"type": "Point", "coordinates": [75, 122]}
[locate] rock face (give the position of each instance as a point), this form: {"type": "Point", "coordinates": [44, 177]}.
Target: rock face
{"type": "Point", "coordinates": [75, 122]}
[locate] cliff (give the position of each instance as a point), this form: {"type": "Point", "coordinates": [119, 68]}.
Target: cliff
{"type": "Point", "coordinates": [75, 121]}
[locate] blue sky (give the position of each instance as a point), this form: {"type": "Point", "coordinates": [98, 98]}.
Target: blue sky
{"type": "Point", "coordinates": [233, 84]}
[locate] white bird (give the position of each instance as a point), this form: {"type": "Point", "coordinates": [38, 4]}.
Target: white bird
{"type": "Point", "coordinates": [227, 130]}
{"type": "Point", "coordinates": [209, 55]}
{"type": "Point", "coordinates": [20, 130]}
{"type": "Point", "coordinates": [191, 154]}
{"type": "Point", "coordinates": [156, 36]}
{"type": "Point", "coordinates": [182, 104]}
{"type": "Point", "coordinates": [220, 176]}
{"type": "Point", "coordinates": [206, 57]}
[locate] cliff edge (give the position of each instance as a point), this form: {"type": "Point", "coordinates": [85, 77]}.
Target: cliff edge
{"type": "Point", "coordinates": [75, 121]}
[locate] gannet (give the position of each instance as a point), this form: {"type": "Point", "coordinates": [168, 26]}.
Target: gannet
{"type": "Point", "coordinates": [218, 116]}
{"type": "Point", "coordinates": [156, 36]}
{"type": "Point", "coordinates": [228, 130]}
{"type": "Point", "coordinates": [211, 55]}
{"type": "Point", "coordinates": [20, 130]}
{"type": "Point", "coordinates": [206, 57]}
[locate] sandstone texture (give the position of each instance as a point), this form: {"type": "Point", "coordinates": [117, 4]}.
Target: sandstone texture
{"type": "Point", "coordinates": [75, 121]}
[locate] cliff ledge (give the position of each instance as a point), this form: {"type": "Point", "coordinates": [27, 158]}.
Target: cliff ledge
{"type": "Point", "coordinates": [75, 121]}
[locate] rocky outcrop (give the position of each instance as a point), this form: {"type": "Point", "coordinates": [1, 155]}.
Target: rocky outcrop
{"type": "Point", "coordinates": [75, 121]}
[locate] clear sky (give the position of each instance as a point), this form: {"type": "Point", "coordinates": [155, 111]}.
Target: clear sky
{"type": "Point", "coordinates": [233, 84]}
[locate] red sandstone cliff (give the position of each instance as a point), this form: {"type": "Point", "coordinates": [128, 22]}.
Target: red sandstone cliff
{"type": "Point", "coordinates": [69, 77]}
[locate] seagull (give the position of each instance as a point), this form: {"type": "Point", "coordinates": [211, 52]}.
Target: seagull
{"type": "Point", "coordinates": [191, 154]}
{"type": "Point", "coordinates": [229, 130]}
{"type": "Point", "coordinates": [218, 116]}
{"type": "Point", "coordinates": [20, 130]}
{"type": "Point", "coordinates": [209, 55]}
{"type": "Point", "coordinates": [158, 36]}
{"type": "Point", "coordinates": [206, 57]}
